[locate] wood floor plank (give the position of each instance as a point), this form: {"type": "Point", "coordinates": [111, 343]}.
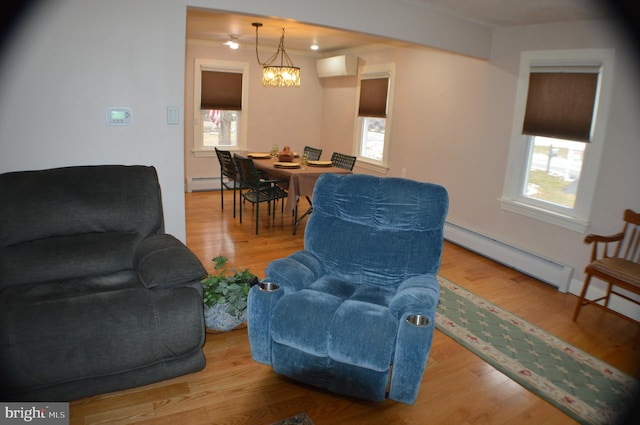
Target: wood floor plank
{"type": "Point", "coordinates": [458, 387]}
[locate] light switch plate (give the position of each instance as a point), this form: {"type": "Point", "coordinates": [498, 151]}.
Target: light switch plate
{"type": "Point", "coordinates": [173, 115]}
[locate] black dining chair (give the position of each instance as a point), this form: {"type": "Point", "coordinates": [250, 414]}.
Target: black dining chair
{"type": "Point", "coordinates": [258, 188]}
{"type": "Point", "coordinates": [344, 161]}
{"type": "Point", "coordinates": [313, 154]}
{"type": "Point", "coordinates": [228, 176]}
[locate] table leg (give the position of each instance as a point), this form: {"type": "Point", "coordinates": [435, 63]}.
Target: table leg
{"type": "Point", "coordinates": [298, 220]}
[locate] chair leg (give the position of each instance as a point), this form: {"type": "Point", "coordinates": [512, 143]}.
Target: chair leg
{"type": "Point", "coordinates": [221, 193]}
{"type": "Point", "coordinates": [298, 220]}
{"type": "Point", "coordinates": [608, 296]}
{"type": "Point", "coordinates": [241, 206]}
{"type": "Point", "coordinates": [257, 215]}
{"type": "Point", "coordinates": [234, 201]}
{"type": "Point", "coordinates": [583, 293]}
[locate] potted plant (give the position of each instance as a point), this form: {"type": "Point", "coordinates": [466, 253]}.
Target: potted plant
{"type": "Point", "coordinates": [225, 296]}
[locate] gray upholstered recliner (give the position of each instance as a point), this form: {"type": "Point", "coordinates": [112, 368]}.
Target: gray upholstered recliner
{"type": "Point", "coordinates": [94, 296]}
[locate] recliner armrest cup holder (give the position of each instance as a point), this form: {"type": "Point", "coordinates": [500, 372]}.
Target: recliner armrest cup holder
{"type": "Point", "coordinates": [268, 286]}
{"type": "Point", "coordinates": [418, 320]}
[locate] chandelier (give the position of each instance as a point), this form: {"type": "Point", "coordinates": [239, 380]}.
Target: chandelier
{"type": "Point", "coordinates": [276, 73]}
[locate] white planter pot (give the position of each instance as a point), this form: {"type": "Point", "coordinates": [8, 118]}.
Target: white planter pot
{"type": "Point", "coordinates": [216, 318]}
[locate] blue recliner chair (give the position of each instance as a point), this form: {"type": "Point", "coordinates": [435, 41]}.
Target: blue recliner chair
{"type": "Point", "coordinates": [354, 311]}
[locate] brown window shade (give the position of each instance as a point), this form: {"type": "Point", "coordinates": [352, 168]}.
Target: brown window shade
{"type": "Point", "coordinates": [560, 105]}
{"type": "Point", "coordinates": [373, 97]}
{"type": "Point", "coordinates": [221, 90]}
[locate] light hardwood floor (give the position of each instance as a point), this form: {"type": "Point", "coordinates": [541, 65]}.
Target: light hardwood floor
{"type": "Point", "coordinates": [458, 387]}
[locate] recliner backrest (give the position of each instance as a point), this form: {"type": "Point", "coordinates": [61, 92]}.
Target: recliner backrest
{"type": "Point", "coordinates": [374, 230]}
{"type": "Point", "coordinates": [79, 200]}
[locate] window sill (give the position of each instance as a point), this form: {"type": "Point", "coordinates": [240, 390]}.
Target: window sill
{"type": "Point", "coordinates": [371, 166]}
{"type": "Point", "coordinates": [562, 220]}
{"type": "Point", "coordinates": [203, 152]}
{"type": "Point", "coordinates": [211, 152]}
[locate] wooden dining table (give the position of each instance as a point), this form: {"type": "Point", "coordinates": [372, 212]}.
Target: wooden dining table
{"type": "Point", "coordinates": [301, 178]}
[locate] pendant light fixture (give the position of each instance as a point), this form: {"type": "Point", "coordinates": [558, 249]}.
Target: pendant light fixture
{"type": "Point", "coordinates": [278, 73]}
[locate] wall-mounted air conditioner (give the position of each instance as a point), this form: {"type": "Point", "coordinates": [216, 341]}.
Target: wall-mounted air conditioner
{"type": "Point", "coordinates": [337, 66]}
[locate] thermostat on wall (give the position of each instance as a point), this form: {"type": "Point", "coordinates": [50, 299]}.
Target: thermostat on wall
{"type": "Point", "coordinates": [119, 115]}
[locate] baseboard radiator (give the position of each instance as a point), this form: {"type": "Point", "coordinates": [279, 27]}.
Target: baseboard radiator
{"type": "Point", "coordinates": [532, 264]}
{"type": "Point", "coordinates": [199, 184]}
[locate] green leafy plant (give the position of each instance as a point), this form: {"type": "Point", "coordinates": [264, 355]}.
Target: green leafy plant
{"type": "Point", "coordinates": [229, 289]}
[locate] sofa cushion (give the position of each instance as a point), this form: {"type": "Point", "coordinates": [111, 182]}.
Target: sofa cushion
{"type": "Point", "coordinates": [67, 257]}
{"type": "Point", "coordinates": [86, 335]}
{"type": "Point", "coordinates": [164, 260]}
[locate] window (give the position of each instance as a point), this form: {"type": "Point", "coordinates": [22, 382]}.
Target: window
{"type": "Point", "coordinates": [220, 94]}
{"type": "Point", "coordinates": [553, 171]}
{"type": "Point", "coordinates": [219, 128]}
{"type": "Point", "coordinates": [558, 135]}
{"type": "Point", "coordinates": [374, 110]}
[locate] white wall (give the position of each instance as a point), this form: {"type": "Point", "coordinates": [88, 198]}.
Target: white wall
{"type": "Point", "coordinates": [74, 58]}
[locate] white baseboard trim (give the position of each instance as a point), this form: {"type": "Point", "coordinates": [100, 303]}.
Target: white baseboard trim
{"type": "Point", "coordinates": [196, 184]}
{"type": "Point", "coordinates": [527, 262]}
{"type": "Point", "coordinates": [535, 265]}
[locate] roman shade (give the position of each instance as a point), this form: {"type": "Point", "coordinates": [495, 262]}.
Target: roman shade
{"type": "Point", "coordinates": [560, 105]}
{"type": "Point", "coordinates": [221, 90]}
{"type": "Point", "coordinates": [373, 97]}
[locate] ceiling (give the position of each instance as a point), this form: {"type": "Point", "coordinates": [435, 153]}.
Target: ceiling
{"type": "Point", "coordinates": [219, 27]}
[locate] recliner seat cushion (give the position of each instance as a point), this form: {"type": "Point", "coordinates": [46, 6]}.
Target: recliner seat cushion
{"type": "Point", "coordinates": [345, 322]}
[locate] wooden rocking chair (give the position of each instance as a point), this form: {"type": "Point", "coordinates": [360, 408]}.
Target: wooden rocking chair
{"type": "Point", "coordinates": [615, 259]}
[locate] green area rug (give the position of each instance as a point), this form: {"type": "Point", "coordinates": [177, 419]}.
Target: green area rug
{"type": "Point", "coordinates": [585, 388]}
